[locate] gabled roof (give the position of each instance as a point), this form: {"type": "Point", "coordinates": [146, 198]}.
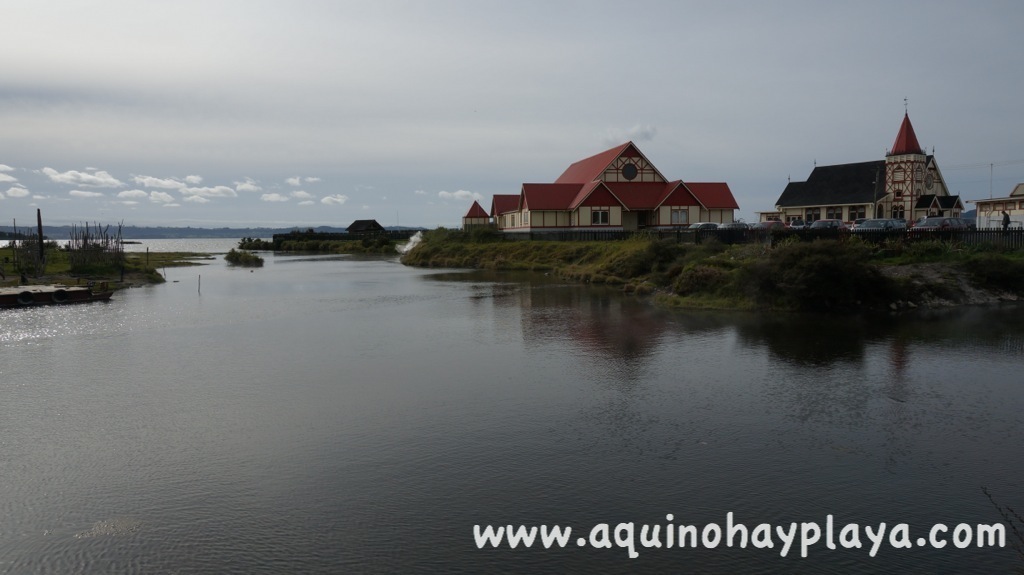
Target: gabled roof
{"type": "Point", "coordinates": [941, 202]}
{"type": "Point", "coordinates": [476, 211]}
{"type": "Point", "coordinates": [906, 140]}
{"type": "Point", "coordinates": [713, 195]}
{"type": "Point", "coordinates": [1018, 190]}
{"type": "Point", "coordinates": [860, 183]}
{"type": "Point", "coordinates": [502, 203]}
{"type": "Point", "coordinates": [588, 189]}
{"type": "Point", "coordinates": [548, 196]}
{"type": "Point", "coordinates": [642, 195]}
{"type": "Point", "coordinates": [364, 226]}
{"type": "Point", "coordinates": [590, 169]}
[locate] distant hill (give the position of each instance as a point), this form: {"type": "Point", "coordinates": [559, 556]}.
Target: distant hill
{"type": "Point", "coordinates": [155, 233]}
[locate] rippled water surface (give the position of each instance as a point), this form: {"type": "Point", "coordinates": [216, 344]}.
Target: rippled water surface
{"type": "Point", "coordinates": [337, 414]}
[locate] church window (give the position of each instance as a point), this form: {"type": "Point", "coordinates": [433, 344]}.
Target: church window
{"type": "Point", "coordinates": [599, 217]}
{"type": "Point", "coordinates": [898, 212]}
{"type": "Point", "coordinates": [680, 217]}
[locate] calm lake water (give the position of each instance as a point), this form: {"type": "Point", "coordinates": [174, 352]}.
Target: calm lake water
{"type": "Point", "coordinates": [352, 415]}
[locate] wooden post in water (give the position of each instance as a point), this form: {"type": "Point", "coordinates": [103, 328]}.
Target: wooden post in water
{"type": "Point", "coordinates": [42, 249]}
{"type": "Point", "coordinates": [200, 284]}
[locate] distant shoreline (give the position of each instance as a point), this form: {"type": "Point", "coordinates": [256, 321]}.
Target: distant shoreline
{"type": "Point", "coordinates": [183, 233]}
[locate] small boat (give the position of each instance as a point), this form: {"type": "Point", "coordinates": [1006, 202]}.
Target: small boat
{"type": "Point", "coordinates": [25, 296]}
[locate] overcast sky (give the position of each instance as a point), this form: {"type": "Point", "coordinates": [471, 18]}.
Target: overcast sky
{"type": "Point", "coordinates": [306, 113]}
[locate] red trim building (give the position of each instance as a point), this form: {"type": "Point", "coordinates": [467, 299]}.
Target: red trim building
{"type": "Point", "coordinates": [476, 216]}
{"type": "Point", "coordinates": [617, 189]}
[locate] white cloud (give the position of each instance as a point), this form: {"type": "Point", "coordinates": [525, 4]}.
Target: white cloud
{"type": "Point", "coordinates": [6, 168]}
{"type": "Point", "coordinates": [275, 197]}
{"type": "Point", "coordinates": [301, 195]}
{"type": "Point", "coordinates": [171, 206]}
{"type": "Point", "coordinates": [248, 185]}
{"type": "Point", "coordinates": [97, 179]}
{"type": "Point", "coordinates": [460, 195]}
{"type": "Point", "coordinates": [420, 192]}
{"type": "Point", "coordinates": [296, 181]}
{"type": "Point", "coordinates": [7, 178]}
{"type": "Point", "coordinates": [312, 179]}
{"type": "Point", "coordinates": [161, 197]}
{"type": "Point", "coordinates": [133, 194]}
{"type": "Point", "coordinates": [307, 203]}
{"type": "Point", "coordinates": [165, 183]}
{"type": "Point", "coordinates": [193, 180]}
{"type": "Point", "coordinates": [210, 192]}
{"type": "Point", "coordinates": [637, 133]}
{"type": "Point", "coordinates": [335, 200]}
{"type": "Point", "coordinates": [85, 194]}
{"type": "Point", "coordinates": [196, 199]}
{"type": "Point", "coordinates": [129, 203]}
{"type": "Point", "coordinates": [17, 192]}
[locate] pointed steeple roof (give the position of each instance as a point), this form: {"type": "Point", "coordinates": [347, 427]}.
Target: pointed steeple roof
{"type": "Point", "coordinates": [476, 211]}
{"type": "Point", "coordinates": [906, 140]}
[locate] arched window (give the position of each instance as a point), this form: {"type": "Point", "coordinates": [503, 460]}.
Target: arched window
{"type": "Point", "coordinates": [898, 213]}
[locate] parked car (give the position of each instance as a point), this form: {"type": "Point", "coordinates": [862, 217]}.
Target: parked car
{"type": "Point", "coordinates": [772, 225]}
{"type": "Point", "coordinates": [857, 222]}
{"type": "Point", "coordinates": [880, 224]}
{"type": "Point", "coordinates": [797, 224]}
{"type": "Point", "coordinates": [734, 226]}
{"type": "Point", "coordinates": [939, 223]}
{"type": "Point", "coordinates": [828, 225]}
{"type": "Point", "coordinates": [704, 226]}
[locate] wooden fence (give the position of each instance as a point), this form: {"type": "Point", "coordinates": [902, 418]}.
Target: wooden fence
{"type": "Point", "coordinates": [1010, 239]}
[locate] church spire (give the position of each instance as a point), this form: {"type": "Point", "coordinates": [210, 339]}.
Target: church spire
{"type": "Point", "coordinates": [906, 140]}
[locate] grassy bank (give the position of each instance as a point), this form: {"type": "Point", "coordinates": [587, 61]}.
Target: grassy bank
{"type": "Point", "coordinates": [823, 275]}
{"type": "Point", "coordinates": [138, 268]}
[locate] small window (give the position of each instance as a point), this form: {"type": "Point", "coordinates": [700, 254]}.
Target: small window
{"type": "Point", "coordinates": [680, 217]}
{"type": "Point", "coordinates": [599, 217]}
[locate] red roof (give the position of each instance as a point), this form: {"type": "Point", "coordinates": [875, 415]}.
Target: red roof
{"type": "Point", "coordinates": [906, 140]}
{"type": "Point", "coordinates": [590, 169]}
{"type": "Point", "coordinates": [713, 195]}
{"type": "Point", "coordinates": [549, 196]}
{"type": "Point", "coordinates": [502, 203]}
{"type": "Point", "coordinates": [597, 192]}
{"type": "Point", "coordinates": [475, 211]}
{"type": "Point", "coordinates": [642, 195]}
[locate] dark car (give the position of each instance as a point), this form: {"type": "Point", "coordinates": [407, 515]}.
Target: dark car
{"type": "Point", "coordinates": [828, 225]}
{"type": "Point", "coordinates": [734, 226]}
{"type": "Point", "coordinates": [771, 225]}
{"type": "Point", "coordinates": [704, 226]}
{"type": "Point", "coordinates": [939, 223]}
{"type": "Point", "coordinates": [879, 224]}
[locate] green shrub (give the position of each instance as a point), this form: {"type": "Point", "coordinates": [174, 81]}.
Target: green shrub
{"type": "Point", "coordinates": [996, 270]}
{"type": "Point", "coordinates": [823, 275]}
{"type": "Point", "coordinates": [700, 279]}
{"type": "Point", "coordinates": [243, 258]}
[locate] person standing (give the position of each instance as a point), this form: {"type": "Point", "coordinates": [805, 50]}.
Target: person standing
{"type": "Point", "coordinates": [1006, 221]}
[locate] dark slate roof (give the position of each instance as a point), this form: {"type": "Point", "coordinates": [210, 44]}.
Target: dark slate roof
{"type": "Point", "coordinates": [359, 226]}
{"type": "Point", "coordinates": [943, 202]}
{"type": "Point", "coordinates": [859, 183]}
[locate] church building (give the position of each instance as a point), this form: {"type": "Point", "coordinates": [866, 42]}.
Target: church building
{"type": "Point", "coordinates": [906, 185]}
{"type": "Point", "coordinates": [618, 189]}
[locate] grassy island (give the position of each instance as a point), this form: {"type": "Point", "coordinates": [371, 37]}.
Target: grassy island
{"type": "Point", "coordinates": [845, 275]}
{"type": "Point", "coordinates": [309, 243]}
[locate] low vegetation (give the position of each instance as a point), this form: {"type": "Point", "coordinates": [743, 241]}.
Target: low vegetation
{"type": "Point", "coordinates": [367, 245]}
{"type": "Point", "coordinates": [133, 269]}
{"type": "Point", "coordinates": [821, 275]}
{"type": "Point", "coordinates": [243, 258]}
